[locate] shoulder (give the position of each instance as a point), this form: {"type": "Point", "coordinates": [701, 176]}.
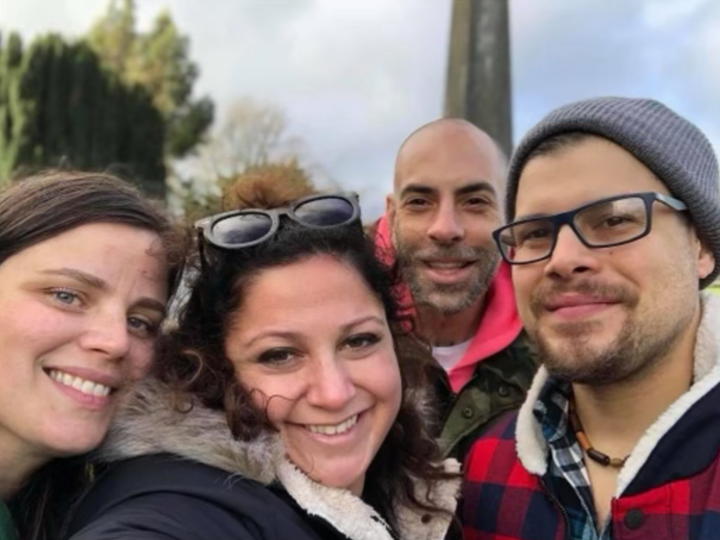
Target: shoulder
{"type": "Point", "coordinates": [176, 498]}
{"type": "Point", "coordinates": [500, 497]}
{"type": "Point", "coordinates": [493, 450]}
{"type": "Point", "coordinates": [517, 362]}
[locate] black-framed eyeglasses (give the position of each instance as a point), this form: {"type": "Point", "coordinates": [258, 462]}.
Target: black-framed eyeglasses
{"type": "Point", "coordinates": [240, 229]}
{"type": "Point", "coordinates": [604, 223]}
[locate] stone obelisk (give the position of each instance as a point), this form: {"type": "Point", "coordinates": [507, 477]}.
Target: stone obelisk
{"type": "Point", "coordinates": [478, 84]}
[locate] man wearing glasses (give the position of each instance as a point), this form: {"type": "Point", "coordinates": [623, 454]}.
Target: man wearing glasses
{"type": "Point", "coordinates": [614, 231]}
{"type": "Point", "coordinates": [447, 200]}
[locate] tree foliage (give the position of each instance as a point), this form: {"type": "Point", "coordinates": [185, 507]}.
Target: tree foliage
{"type": "Point", "coordinates": [252, 135]}
{"type": "Point", "coordinates": [159, 61]}
{"type": "Point", "coordinates": [59, 106]}
{"type": "Point", "coordinates": [250, 148]}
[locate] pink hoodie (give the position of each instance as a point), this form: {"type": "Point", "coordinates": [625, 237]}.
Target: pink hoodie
{"type": "Point", "coordinates": [500, 324]}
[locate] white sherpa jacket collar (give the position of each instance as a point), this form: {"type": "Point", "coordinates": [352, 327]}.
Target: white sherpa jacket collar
{"type": "Point", "coordinates": [150, 424]}
{"type": "Point", "coordinates": [531, 446]}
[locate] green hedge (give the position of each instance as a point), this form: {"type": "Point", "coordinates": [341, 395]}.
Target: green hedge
{"type": "Point", "coordinates": [58, 106]}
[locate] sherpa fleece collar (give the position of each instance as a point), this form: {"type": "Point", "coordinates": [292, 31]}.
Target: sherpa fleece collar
{"type": "Point", "coordinates": [150, 424]}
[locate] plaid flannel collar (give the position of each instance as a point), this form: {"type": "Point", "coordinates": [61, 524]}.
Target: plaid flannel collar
{"type": "Point", "coordinates": [567, 460]}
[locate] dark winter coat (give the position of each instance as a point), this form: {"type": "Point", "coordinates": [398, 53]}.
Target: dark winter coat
{"type": "Point", "coordinates": [180, 476]}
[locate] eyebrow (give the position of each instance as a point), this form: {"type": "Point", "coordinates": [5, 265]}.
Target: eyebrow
{"type": "Point", "coordinates": [101, 285]}
{"type": "Point", "coordinates": [78, 275]}
{"type": "Point", "coordinates": [538, 215]}
{"type": "Point", "coordinates": [362, 320]}
{"type": "Point", "coordinates": [464, 190]}
{"type": "Point", "coordinates": [294, 335]}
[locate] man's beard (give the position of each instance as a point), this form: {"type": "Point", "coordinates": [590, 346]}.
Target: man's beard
{"type": "Point", "coordinates": [643, 340]}
{"type": "Point", "coordinates": [448, 299]}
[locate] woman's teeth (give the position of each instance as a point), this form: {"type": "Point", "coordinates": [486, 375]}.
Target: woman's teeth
{"type": "Point", "coordinates": [337, 429]}
{"type": "Point", "coordinates": [86, 387]}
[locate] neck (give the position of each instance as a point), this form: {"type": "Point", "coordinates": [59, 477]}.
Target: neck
{"type": "Point", "coordinates": [443, 330]}
{"type": "Point", "coordinates": [16, 465]}
{"type": "Point", "coordinates": [615, 417]}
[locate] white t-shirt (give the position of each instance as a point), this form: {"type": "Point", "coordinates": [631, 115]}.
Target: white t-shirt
{"type": "Point", "coordinates": [447, 357]}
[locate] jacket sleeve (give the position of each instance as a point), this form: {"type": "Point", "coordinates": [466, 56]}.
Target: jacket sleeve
{"type": "Point", "coordinates": [168, 516]}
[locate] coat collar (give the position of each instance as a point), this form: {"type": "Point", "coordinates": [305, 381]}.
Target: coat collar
{"type": "Point", "coordinates": [531, 446]}
{"type": "Point", "coordinates": [150, 423]}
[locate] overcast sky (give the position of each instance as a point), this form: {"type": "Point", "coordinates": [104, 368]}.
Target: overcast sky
{"type": "Point", "coordinates": [355, 77]}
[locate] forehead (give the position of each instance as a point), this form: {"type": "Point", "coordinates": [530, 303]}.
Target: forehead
{"type": "Point", "coordinates": [592, 169]}
{"type": "Point", "coordinates": [326, 281]}
{"type": "Point", "coordinates": [105, 249]}
{"type": "Point", "coordinates": [446, 158]}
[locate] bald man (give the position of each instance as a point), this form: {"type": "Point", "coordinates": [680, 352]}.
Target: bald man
{"type": "Point", "coordinates": [449, 183]}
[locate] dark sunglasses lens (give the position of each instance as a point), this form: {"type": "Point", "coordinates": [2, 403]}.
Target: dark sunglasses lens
{"type": "Point", "coordinates": [325, 212]}
{"type": "Point", "coordinates": [242, 228]}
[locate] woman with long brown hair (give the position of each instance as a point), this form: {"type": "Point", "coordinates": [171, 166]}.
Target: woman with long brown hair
{"type": "Point", "coordinates": [85, 273]}
{"type": "Point", "coordinates": [287, 402]}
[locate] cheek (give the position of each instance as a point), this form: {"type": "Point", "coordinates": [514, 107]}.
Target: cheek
{"type": "Point", "coordinates": [524, 279]}
{"type": "Point", "coordinates": [273, 394]}
{"type": "Point", "coordinates": [410, 229]}
{"type": "Point", "coordinates": [139, 361]}
{"type": "Point", "coordinates": [383, 381]}
{"type": "Point", "coordinates": [481, 227]}
{"type": "Point", "coordinates": [34, 329]}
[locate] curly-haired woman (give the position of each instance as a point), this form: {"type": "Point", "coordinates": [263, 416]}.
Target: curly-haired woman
{"type": "Point", "coordinates": [287, 402]}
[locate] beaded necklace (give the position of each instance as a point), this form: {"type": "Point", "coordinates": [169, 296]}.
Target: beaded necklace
{"type": "Point", "coordinates": [594, 454]}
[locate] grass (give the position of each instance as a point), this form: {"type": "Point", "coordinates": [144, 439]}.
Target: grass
{"type": "Point", "coordinates": [715, 287]}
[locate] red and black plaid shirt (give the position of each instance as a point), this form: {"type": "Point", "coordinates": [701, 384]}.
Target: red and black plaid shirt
{"type": "Point", "coordinates": [675, 494]}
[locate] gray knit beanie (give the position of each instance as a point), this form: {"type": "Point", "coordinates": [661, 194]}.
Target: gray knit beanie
{"type": "Point", "coordinates": [667, 144]}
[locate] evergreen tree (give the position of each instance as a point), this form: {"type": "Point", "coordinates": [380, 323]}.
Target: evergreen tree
{"type": "Point", "coordinates": [159, 61]}
{"type": "Point", "coordinates": [58, 106]}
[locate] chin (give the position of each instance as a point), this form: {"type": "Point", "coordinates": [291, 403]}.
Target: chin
{"type": "Point", "coordinates": [341, 477]}
{"type": "Point", "coordinates": [73, 442]}
{"type": "Point", "coordinates": [341, 481]}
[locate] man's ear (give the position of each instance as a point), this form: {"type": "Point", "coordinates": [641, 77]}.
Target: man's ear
{"type": "Point", "coordinates": [706, 262]}
{"type": "Point", "coordinates": [705, 257]}
{"type": "Point", "coordinates": [390, 210]}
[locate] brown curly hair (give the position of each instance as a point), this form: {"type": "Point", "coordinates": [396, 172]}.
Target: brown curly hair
{"type": "Point", "coordinates": [192, 359]}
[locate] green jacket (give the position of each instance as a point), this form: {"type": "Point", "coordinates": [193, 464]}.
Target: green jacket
{"type": "Point", "coordinates": [7, 528]}
{"type": "Point", "coordinates": [499, 384]}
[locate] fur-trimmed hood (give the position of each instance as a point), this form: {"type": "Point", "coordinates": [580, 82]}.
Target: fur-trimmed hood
{"type": "Point", "coordinates": [150, 423]}
{"type": "Point", "coordinates": [532, 448]}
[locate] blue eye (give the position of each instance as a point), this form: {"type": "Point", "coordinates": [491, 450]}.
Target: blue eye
{"type": "Point", "coordinates": [142, 326]}
{"type": "Point", "coordinates": [64, 296]}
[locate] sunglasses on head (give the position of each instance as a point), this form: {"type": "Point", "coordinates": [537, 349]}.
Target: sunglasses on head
{"type": "Point", "coordinates": [240, 229]}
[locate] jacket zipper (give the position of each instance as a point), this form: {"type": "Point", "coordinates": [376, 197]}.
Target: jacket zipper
{"type": "Point", "coordinates": [555, 500]}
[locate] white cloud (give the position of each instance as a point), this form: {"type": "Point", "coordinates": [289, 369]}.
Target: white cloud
{"type": "Point", "coordinates": [663, 49]}
{"type": "Point", "coordinates": [666, 14]}
{"type": "Point", "coordinates": [354, 77]}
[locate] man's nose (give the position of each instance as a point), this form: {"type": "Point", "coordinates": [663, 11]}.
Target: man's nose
{"type": "Point", "coordinates": [570, 255]}
{"type": "Point", "coordinates": [446, 227]}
